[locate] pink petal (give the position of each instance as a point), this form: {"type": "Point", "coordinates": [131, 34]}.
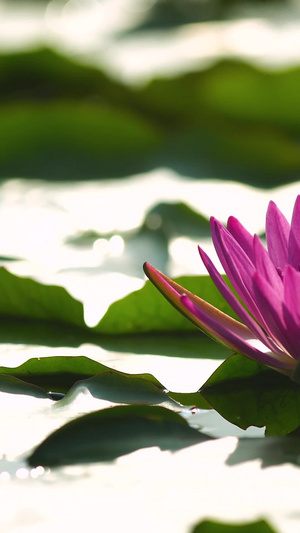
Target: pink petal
{"type": "Point", "coordinates": [173, 292]}
{"type": "Point", "coordinates": [235, 304]}
{"type": "Point", "coordinates": [242, 236]}
{"type": "Point", "coordinates": [266, 267]}
{"type": "Point", "coordinates": [213, 322]}
{"type": "Point", "coordinates": [291, 304]}
{"type": "Point", "coordinates": [236, 339]}
{"type": "Point", "coordinates": [237, 266]}
{"type": "Point", "coordinates": [277, 235]}
{"type": "Point", "coordinates": [272, 307]}
{"type": "Point", "coordinates": [294, 239]}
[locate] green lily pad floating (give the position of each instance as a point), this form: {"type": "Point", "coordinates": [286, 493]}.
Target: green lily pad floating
{"type": "Point", "coordinates": [215, 129]}
{"type": "Point", "coordinates": [61, 373]}
{"type": "Point", "coordinates": [123, 388]}
{"type": "Point", "coordinates": [28, 300]}
{"type": "Point", "coordinates": [210, 526]}
{"type": "Point", "coordinates": [142, 321]}
{"type": "Point", "coordinates": [73, 140]}
{"type": "Point", "coordinates": [71, 120]}
{"type": "Point", "coordinates": [249, 394]}
{"type": "Point", "coordinates": [145, 310]}
{"type": "Point", "coordinates": [107, 434]}
{"type": "Point", "coordinates": [43, 75]}
{"type": "Point", "coordinates": [69, 374]}
{"type": "Point", "coordinates": [13, 385]}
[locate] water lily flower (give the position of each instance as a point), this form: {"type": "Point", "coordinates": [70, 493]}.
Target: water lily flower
{"type": "Point", "coordinates": [267, 282]}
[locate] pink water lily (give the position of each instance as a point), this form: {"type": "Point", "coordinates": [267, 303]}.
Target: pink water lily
{"type": "Point", "coordinates": [267, 281]}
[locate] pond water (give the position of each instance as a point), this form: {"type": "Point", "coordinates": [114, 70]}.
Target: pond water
{"type": "Point", "coordinates": [92, 237]}
{"type": "Point", "coordinates": [224, 478]}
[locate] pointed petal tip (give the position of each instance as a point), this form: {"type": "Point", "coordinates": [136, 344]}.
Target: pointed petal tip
{"type": "Point", "coordinates": [152, 273]}
{"type": "Point", "coordinates": [149, 270]}
{"type": "Point", "coordinates": [202, 253]}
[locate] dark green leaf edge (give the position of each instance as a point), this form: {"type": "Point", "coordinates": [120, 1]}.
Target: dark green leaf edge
{"type": "Point", "coordinates": [35, 313]}
{"type": "Point", "coordinates": [107, 434]}
{"type": "Point", "coordinates": [61, 374]}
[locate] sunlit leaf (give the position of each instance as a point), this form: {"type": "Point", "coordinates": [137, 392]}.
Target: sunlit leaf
{"type": "Point", "coordinates": [142, 322]}
{"type": "Point", "coordinates": [68, 374]}
{"type": "Point", "coordinates": [61, 373]}
{"type": "Point", "coordinates": [249, 394]}
{"type": "Point", "coordinates": [109, 433]}
{"type": "Point", "coordinates": [26, 299]}
{"type": "Point", "coordinates": [146, 311]}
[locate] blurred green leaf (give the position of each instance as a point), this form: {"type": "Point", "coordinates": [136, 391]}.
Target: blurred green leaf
{"type": "Point", "coordinates": [174, 219]}
{"type": "Point", "coordinates": [63, 120]}
{"type": "Point", "coordinates": [73, 140]}
{"type": "Point", "coordinates": [209, 526]}
{"type": "Point", "coordinates": [231, 120]}
{"type": "Point", "coordinates": [249, 394]}
{"type": "Point", "coordinates": [44, 75]}
{"type": "Point", "coordinates": [105, 435]}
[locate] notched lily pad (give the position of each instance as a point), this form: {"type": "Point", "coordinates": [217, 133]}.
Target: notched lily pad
{"type": "Point", "coordinates": [107, 434]}
{"type": "Point", "coordinates": [142, 322]}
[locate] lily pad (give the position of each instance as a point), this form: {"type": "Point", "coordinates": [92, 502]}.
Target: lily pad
{"type": "Point", "coordinates": [142, 322]}
{"type": "Point", "coordinates": [14, 385]}
{"type": "Point", "coordinates": [68, 374]}
{"type": "Point", "coordinates": [74, 140]}
{"type": "Point", "coordinates": [107, 434]}
{"type": "Point", "coordinates": [61, 373]}
{"type": "Point", "coordinates": [249, 394]}
{"type": "Point", "coordinates": [120, 388]}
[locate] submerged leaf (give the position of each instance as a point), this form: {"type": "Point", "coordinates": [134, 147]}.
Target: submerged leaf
{"type": "Point", "coordinates": [121, 388]}
{"type": "Point", "coordinates": [107, 434]}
